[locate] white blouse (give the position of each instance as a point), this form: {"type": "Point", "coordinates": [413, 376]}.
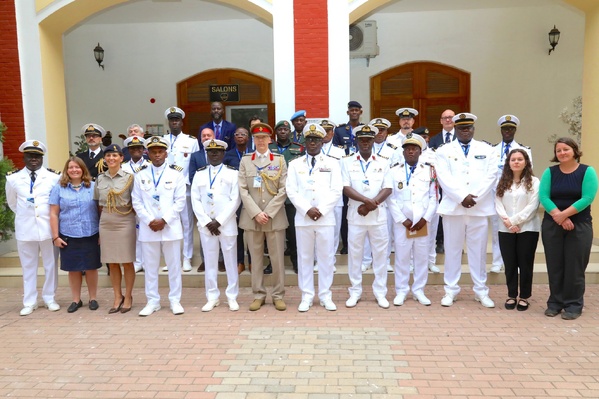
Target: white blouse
{"type": "Point", "coordinates": [520, 206]}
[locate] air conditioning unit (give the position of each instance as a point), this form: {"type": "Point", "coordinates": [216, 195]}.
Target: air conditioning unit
{"type": "Point", "coordinates": [362, 40]}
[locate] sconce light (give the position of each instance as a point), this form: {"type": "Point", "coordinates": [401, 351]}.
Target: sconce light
{"type": "Point", "coordinates": [553, 38]}
{"type": "Point", "coordinates": [99, 55]}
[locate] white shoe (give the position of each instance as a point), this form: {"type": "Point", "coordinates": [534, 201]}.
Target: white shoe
{"type": "Point", "coordinates": [165, 269]}
{"type": "Point", "coordinates": [399, 300]}
{"type": "Point", "coordinates": [411, 268]}
{"type": "Point", "coordinates": [233, 305]}
{"type": "Point", "coordinates": [177, 308]}
{"type": "Point", "coordinates": [316, 268]}
{"type": "Point", "coordinates": [328, 305]}
{"type": "Point", "coordinates": [27, 310]}
{"type": "Point", "coordinates": [352, 301]}
{"type": "Point", "coordinates": [383, 302]}
{"type": "Point", "coordinates": [366, 266]}
{"type": "Point", "coordinates": [420, 297]}
{"type": "Point", "coordinates": [485, 301]}
{"type": "Point", "coordinates": [304, 306]}
{"type": "Point", "coordinates": [53, 306]}
{"type": "Point", "coordinates": [496, 269]}
{"type": "Point", "coordinates": [389, 268]}
{"type": "Point", "coordinates": [334, 269]}
{"type": "Point", "coordinates": [148, 310]}
{"type": "Point", "coordinates": [447, 300]}
{"type": "Point", "coordinates": [186, 265]}
{"type": "Point", "coordinates": [210, 305]}
{"type": "Point", "coordinates": [433, 268]}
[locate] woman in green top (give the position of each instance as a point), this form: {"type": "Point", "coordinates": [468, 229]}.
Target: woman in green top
{"type": "Point", "coordinates": [566, 192]}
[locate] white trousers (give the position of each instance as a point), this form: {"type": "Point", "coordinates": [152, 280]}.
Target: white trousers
{"type": "Point", "coordinates": [338, 217]}
{"type": "Point", "coordinates": [367, 258]}
{"type": "Point", "coordinates": [433, 226]}
{"type": "Point", "coordinates": [211, 245]}
{"type": "Point", "coordinates": [187, 220]}
{"type": "Point", "coordinates": [172, 256]}
{"type": "Point", "coordinates": [139, 259]}
{"type": "Point", "coordinates": [497, 259]}
{"type": "Point", "coordinates": [379, 240]}
{"type": "Point", "coordinates": [307, 237]}
{"type": "Point", "coordinates": [473, 231]}
{"type": "Point", "coordinates": [29, 253]}
{"type": "Point", "coordinates": [404, 248]}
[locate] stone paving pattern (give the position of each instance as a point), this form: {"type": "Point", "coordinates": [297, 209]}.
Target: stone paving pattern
{"type": "Point", "coordinates": [412, 351]}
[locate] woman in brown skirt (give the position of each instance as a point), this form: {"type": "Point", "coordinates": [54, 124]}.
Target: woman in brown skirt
{"type": "Point", "coordinates": [117, 226]}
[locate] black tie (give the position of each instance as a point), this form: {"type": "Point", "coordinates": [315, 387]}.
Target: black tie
{"type": "Point", "coordinates": [33, 177]}
{"type": "Point", "coordinates": [313, 161]}
{"type": "Point", "coordinates": [447, 137]}
{"type": "Point", "coordinates": [92, 155]}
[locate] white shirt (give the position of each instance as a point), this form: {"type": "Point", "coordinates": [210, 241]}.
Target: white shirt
{"type": "Point", "coordinates": [179, 151]}
{"type": "Point", "coordinates": [520, 206]}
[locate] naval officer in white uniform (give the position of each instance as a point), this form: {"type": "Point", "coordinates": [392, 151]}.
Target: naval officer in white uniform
{"type": "Point", "coordinates": [466, 172]}
{"type": "Point", "coordinates": [215, 199]}
{"type": "Point", "coordinates": [27, 194]}
{"type": "Point", "coordinates": [158, 198]}
{"type": "Point", "coordinates": [314, 187]}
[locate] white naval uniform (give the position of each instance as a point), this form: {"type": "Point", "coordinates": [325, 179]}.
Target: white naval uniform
{"type": "Point", "coordinates": [429, 156]}
{"type": "Point", "coordinates": [499, 151]}
{"type": "Point", "coordinates": [157, 195]}
{"type": "Point", "coordinates": [180, 149]}
{"type": "Point", "coordinates": [215, 195]}
{"type": "Point", "coordinates": [368, 178]}
{"type": "Point", "coordinates": [29, 202]}
{"type": "Point", "coordinates": [460, 175]}
{"type": "Point", "coordinates": [134, 167]}
{"type": "Point", "coordinates": [320, 187]}
{"type": "Point", "coordinates": [414, 197]}
{"type": "Point", "coordinates": [336, 153]}
{"type": "Point", "coordinates": [395, 139]}
{"type": "Point", "coordinates": [393, 155]}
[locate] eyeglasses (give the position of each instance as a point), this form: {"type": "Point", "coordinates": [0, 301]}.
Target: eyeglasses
{"type": "Point", "coordinates": [447, 118]}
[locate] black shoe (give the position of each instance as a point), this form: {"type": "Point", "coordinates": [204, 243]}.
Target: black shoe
{"type": "Point", "coordinates": [93, 304]}
{"type": "Point", "coordinates": [510, 304]}
{"type": "Point", "coordinates": [343, 251]}
{"type": "Point", "coordinates": [522, 304]}
{"type": "Point", "coordinates": [552, 312]}
{"type": "Point", "coordinates": [287, 252]}
{"type": "Point", "coordinates": [570, 316]}
{"type": "Point", "coordinates": [440, 249]}
{"type": "Point", "coordinates": [74, 306]}
{"type": "Point", "coordinates": [268, 269]}
{"type": "Point", "coordinates": [221, 266]}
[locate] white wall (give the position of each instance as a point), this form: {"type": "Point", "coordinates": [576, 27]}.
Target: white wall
{"type": "Point", "coordinates": [504, 50]}
{"type": "Point", "coordinates": [145, 61]}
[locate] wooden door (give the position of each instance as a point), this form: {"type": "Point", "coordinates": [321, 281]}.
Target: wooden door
{"type": "Point", "coordinates": [428, 87]}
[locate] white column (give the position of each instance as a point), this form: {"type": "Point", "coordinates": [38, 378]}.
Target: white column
{"type": "Point", "coordinates": [338, 19]}
{"type": "Point", "coordinates": [284, 61]}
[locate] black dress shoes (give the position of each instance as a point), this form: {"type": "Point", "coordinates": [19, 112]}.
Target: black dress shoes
{"type": "Point", "coordinates": [268, 269]}
{"type": "Point", "coordinates": [343, 251]}
{"type": "Point", "coordinates": [552, 312]}
{"type": "Point", "coordinates": [74, 306]}
{"type": "Point", "coordinates": [93, 305]}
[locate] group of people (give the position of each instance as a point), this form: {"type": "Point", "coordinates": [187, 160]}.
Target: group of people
{"type": "Point", "coordinates": [297, 193]}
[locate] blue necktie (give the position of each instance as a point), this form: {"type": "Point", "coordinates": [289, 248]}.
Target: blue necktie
{"type": "Point", "coordinates": [447, 137]}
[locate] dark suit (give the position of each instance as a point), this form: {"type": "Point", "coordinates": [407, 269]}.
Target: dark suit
{"type": "Point", "coordinates": [438, 139]}
{"type": "Point", "coordinates": [197, 161]}
{"type": "Point", "coordinates": [227, 130]}
{"type": "Point", "coordinates": [344, 137]}
{"type": "Point", "coordinates": [91, 163]}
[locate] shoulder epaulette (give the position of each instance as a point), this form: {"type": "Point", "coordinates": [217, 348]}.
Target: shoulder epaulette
{"type": "Point", "coordinates": [12, 171]}
{"type": "Point", "coordinates": [231, 167]}
{"type": "Point", "coordinates": [142, 167]}
{"type": "Point", "coordinates": [495, 145]}
{"type": "Point", "coordinates": [486, 142]}
{"type": "Point", "coordinates": [395, 164]}
{"type": "Point", "coordinates": [382, 156]}
{"type": "Point", "coordinates": [348, 155]}
{"type": "Point", "coordinates": [523, 146]}
{"type": "Point", "coordinates": [176, 167]}
{"type": "Point", "coordinates": [346, 127]}
{"type": "Point", "coordinates": [429, 164]}
{"type": "Point", "coordinates": [276, 154]}
{"type": "Point", "coordinates": [202, 168]}
{"type": "Point", "coordinates": [53, 171]}
{"type": "Point", "coordinates": [330, 156]}
{"type": "Point", "coordinates": [392, 146]}
{"type": "Point", "coordinates": [341, 146]}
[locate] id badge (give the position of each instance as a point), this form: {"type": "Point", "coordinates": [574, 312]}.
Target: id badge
{"type": "Point", "coordinates": [352, 149]}
{"type": "Point", "coordinates": [366, 185]}
{"type": "Point", "coordinates": [258, 182]}
{"type": "Point", "coordinates": [156, 199]}
{"type": "Point", "coordinates": [30, 202]}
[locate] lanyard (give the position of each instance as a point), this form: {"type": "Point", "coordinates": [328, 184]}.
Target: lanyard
{"type": "Point", "coordinates": [409, 175]}
{"type": "Point", "coordinates": [309, 165]}
{"type": "Point", "coordinates": [212, 180]}
{"type": "Point", "coordinates": [131, 164]}
{"type": "Point", "coordinates": [282, 149]}
{"type": "Point", "coordinates": [173, 141]}
{"type": "Point", "coordinates": [364, 170]}
{"type": "Point", "coordinates": [466, 149]}
{"type": "Point", "coordinates": [240, 154]}
{"type": "Point", "coordinates": [159, 177]}
{"type": "Point", "coordinates": [329, 150]}
{"type": "Point", "coordinates": [381, 149]}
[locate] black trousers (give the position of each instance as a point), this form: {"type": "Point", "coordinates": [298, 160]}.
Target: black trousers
{"type": "Point", "coordinates": [567, 254]}
{"type": "Point", "coordinates": [518, 253]}
{"type": "Point", "coordinates": [290, 233]}
{"type": "Point", "coordinates": [343, 232]}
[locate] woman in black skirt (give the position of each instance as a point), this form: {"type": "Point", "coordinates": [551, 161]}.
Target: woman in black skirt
{"type": "Point", "coordinates": [75, 230]}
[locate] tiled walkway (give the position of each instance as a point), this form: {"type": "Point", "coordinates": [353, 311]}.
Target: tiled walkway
{"type": "Point", "coordinates": [413, 351]}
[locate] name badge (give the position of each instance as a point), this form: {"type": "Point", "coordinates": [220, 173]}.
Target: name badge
{"type": "Point", "coordinates": [30, 201]}
{"type": "Point", "coordinates": [156, 201]}
{"type": "Point", "coordinates": [366, 185]}
{"type": "Point", "coordinates": [257, 181]}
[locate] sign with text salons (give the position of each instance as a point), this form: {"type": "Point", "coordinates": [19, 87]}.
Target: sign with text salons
{"type": "Point", "coordinates": [224, 93]}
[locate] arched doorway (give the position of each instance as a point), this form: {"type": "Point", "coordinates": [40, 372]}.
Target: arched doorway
{"type": "Point", "coordinates": [428, 87]}
{"type": "Point", "coordinates": [255, 98]}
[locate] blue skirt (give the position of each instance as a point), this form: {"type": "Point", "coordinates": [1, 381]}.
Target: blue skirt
{"type": "Point", "coordinates": [80, 254]}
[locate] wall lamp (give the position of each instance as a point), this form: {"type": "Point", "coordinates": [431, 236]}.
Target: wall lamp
{"type": "Point", "coordinates": [553, 38]}
{"type": "Point", "coordinates": [99, 55]}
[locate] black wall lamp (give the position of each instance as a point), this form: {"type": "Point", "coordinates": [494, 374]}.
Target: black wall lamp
{"type": "Point", "coordinates": [99, 55]}
{"type": "Point", "coordinates": [553, 38]}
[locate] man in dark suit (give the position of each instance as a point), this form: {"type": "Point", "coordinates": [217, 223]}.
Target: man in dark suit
{"type": "Point", "coordinates": [343, 135]}
{"type": "Point", "coordinates": [447, 134]}
{"type": "Point", "coordinates": [93, 157]}
{"type": "Point", "coordinates": [198, 159]}
{"type": "Point", "coordinates": [223, 130]}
